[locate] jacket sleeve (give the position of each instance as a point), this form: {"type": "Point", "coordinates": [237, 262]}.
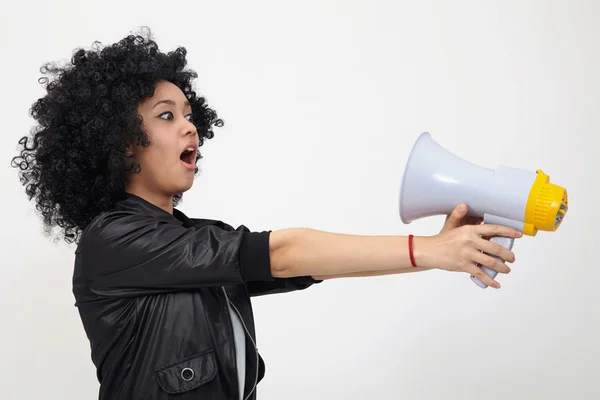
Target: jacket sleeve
{"type": "Point", "coordinates": [266, 286]}
{"type": "Point", "coordinates": [128, 254]}
{"type": "Point", "coordinates": [280, 285]}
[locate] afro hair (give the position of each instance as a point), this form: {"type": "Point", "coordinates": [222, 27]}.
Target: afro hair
{"type": "Point", "coordinates": [74, 161]}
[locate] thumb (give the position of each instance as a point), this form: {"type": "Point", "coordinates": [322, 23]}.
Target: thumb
{"type": "Point", "coordinates": [455, 218]}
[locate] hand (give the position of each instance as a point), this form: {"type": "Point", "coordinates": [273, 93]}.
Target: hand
{"type": "Point", "coordinates": [460, 246]}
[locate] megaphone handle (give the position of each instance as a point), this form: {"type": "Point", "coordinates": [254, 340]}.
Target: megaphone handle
{"type": "Point", "coordinates": [502, 241]}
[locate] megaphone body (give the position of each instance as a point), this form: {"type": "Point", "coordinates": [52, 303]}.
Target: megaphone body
{"type": "Point", "coordinates": [435, 181]}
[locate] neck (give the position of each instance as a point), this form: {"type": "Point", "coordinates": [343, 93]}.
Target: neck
{"type": "Point", "coordinates": [160, 200]}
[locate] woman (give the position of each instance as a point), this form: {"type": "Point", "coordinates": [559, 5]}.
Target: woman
{"type": "Point", "coordinates": [165, 299]}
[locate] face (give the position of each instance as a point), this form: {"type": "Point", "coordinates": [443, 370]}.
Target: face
{"type": "Point", "coordinates": [168, 164]}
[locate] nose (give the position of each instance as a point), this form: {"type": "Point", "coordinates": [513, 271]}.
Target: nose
{"type": "Point", "coordinates": [190, 129]}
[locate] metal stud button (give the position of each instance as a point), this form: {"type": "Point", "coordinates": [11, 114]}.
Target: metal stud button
{"type": "Point", "coordinates": [187, 374]}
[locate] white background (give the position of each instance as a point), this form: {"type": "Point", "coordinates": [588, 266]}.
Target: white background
{"type": "Point", "coordinates": [322, 102]}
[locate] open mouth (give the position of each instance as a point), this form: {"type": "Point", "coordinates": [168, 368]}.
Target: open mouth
{"type": "Point", "coordinates": [188, 156]}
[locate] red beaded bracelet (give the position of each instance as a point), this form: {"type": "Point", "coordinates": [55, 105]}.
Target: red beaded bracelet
{"type": "Point", "coordinates": [410, 250]}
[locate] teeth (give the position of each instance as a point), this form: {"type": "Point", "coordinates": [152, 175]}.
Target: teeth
{"type": "Point", "coordinates": [190, 149]}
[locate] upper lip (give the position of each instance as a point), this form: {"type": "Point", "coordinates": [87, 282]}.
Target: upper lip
{"type": "Point", "coordinates": [191, 144]}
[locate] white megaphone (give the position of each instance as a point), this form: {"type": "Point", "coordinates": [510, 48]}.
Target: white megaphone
{"type": "Point", "coordinates": [435, 181]}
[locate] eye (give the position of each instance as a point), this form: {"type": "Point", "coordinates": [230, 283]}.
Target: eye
{"type": "Point", "coordinates": [168, 115]}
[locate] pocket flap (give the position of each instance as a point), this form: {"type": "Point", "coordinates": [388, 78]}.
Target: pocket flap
{"type": "Point", "coordinates": [188, 373]}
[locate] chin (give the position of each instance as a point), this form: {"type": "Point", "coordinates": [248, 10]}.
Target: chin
{"type": "Point", "coordinates": [183, 189]}
{"type": "Point", "coordinates": [183, 185]}
{"type": "Point", "coordinates": [186, 187]}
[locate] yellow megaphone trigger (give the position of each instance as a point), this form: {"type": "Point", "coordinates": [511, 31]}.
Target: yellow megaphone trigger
{"type": "Point", "coordinates": [546, 207]}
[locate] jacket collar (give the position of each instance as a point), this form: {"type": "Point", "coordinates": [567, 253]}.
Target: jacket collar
{"type": "Point", "coordinates": [129, 201]}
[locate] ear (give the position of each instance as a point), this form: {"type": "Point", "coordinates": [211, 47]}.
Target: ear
{"type": "Point", "coordinates": [129, 150]}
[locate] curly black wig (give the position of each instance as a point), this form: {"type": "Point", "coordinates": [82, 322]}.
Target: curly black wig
{"type": "Point", "coordinates": [74, 161]}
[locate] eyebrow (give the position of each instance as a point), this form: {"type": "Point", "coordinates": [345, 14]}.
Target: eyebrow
{"type": "Point", "coordinates": [171, 102]}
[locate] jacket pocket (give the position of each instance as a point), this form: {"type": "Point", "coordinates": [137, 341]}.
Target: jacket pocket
{"type": "Point", "coordinates": [188, 373]}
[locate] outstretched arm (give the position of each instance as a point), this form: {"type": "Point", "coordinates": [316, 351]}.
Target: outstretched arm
{"type": "Point", "coordinates": [454, 220]}
{"type": "Point", "coordinates": [303, 251]}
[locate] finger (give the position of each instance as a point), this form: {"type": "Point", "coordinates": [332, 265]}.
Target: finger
{"type": "Point", "coordinates": [490, 230]}
{"type": "Point", "coordinates": [491, 262]}
{"type": "Point", "coordinates": [478, 273]}
{"type": "Point", "coordinates": [495, 249]}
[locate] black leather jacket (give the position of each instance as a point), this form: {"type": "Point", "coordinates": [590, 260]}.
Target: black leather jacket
{"type": "Point", "coordinates": [152, 291]}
